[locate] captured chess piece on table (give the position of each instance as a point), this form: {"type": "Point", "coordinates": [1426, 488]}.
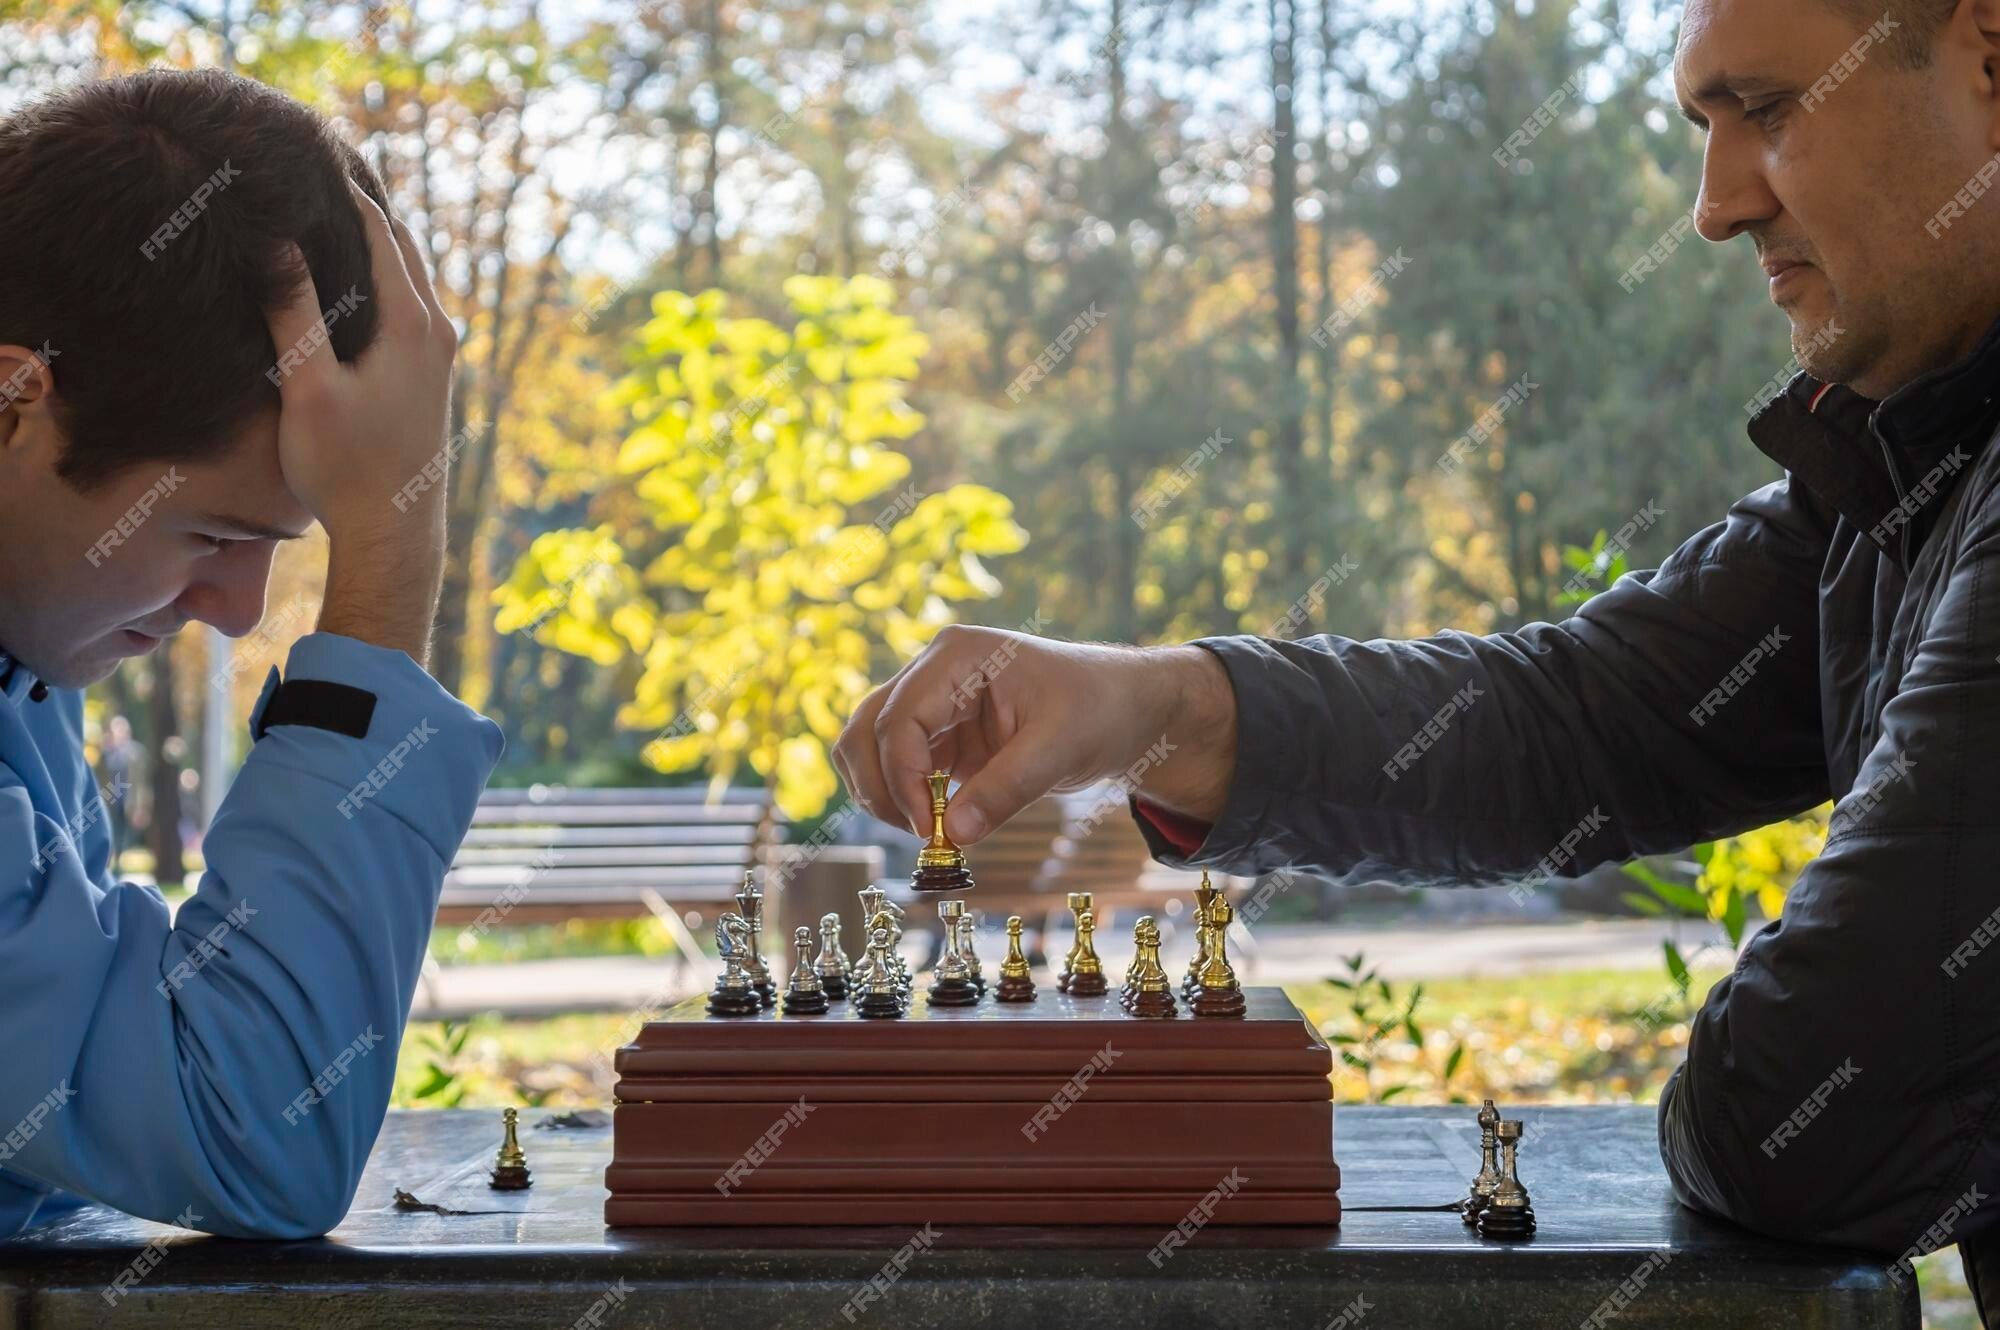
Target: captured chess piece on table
{"type": "Point", "coordinates": [735, 991]}
{"type": "Point", "coordinates": [1508, 1215]}
{"type": "Point", "coordinates": [1488, 1178]}
{"type": "Point", "coordinates": [1086, 977]}
{"type": "Point", "coordinates": [951, 982]}
{"type": "Point", "coordinates": [804, 995]}
{"type": "Point", "coordinates": [510, 1169]}
{"type": "Point", "coordinates": [1217, 992]}
{"type": "Point", "coordinates": [940, 864]}
{"type": "Point", "coordinates": [1017, 984]}
{"type": "Point", "coordinates": [1079, 901]}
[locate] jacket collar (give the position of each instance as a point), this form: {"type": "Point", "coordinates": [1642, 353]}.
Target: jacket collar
{"type": "Point", "coordinates": [1867, 459]}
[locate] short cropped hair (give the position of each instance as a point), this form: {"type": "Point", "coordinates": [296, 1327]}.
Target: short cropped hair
{"type": "Point", "coordinates": [1917, 23]}
{"type": "Point", "coordinates": [143, 230]}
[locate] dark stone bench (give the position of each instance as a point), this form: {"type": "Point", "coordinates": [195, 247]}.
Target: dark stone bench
{"type": "Point", "coordinates": [1606, 1220]}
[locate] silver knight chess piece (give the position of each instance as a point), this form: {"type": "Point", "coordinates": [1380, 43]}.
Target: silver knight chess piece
{"type": "Point", "coordinates": [735, 994]}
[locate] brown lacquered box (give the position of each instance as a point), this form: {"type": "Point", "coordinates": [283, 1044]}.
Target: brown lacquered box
{"type": "Point", "coordinates": [1061, 1111]}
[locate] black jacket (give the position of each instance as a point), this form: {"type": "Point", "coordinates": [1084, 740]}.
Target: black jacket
{"type": "Point", "coordinates": [1837, 635]}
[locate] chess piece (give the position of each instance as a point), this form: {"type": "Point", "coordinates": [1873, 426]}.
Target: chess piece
{"type": "Point", "coordinates": [735, 992]}
{"type": "Point", "coordinates": [1079, 901]}
{"type": "Point", "coordinates": [1016, 983]}
{"type": "Point", "coordinates": [1481, 1192]}
{"type": "Point", "coordinates": [940, 864]}
{"type": "Point", "coordinates": [897, 961]}
{"type": "Point", "coordinates": [1216, 990]}
{"type": "Point", "coordinates": [1152, 986]}
{"type": "Point", "coordinates": [750, 904]}
{"type": "Point", "coordinates": [871, 905]}
{"type": "Point", "coordinates": [882, 998]}
{"type": "Point", "coordinates": [1205, 897]}
{"type": "Point", "coordinates": [1509, 1215]}
{"type": "Point", "coordinates": [510, 1168]}
{"type": "Point", "coordinates": [1086, 977]}
{"type": "Point", "coordinates": [832, 967]}
{"type": "Point", "coordinates": [951, 983]}
{"type": "Point", "coordinates": [966, 937]}
{"type": "Point", "coordinates": [804, 995]}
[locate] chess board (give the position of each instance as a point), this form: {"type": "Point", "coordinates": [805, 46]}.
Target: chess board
{"type": "Point", "coordinates": [1059, 1111]}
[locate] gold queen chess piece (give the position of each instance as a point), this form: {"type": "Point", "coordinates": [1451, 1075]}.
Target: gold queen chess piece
{"type": "Point", "coordinates": [1017, 983]}
{"type": "Point", "coordinates": [940, 864]}
{"type": "Point", "coordinates": [510, 1168]}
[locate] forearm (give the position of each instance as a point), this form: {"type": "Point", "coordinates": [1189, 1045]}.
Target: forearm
{"type": "Point", "coordinates": [382, 581]}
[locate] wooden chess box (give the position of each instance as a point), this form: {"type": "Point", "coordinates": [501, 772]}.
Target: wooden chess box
{"type": "Point", "coordinates": [1060, 1111]}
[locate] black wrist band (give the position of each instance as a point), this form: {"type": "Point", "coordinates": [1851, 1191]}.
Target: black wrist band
{"type": "Point", "coordinates": [320, 705]}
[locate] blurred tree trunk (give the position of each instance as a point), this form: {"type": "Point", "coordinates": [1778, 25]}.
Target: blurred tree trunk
{"type": "Point", "coordinates": [163, 835]}
{"type": "Point", "coordinates": [1291, 558]}
{"type": "Point", "coordinates": [1125, 533]}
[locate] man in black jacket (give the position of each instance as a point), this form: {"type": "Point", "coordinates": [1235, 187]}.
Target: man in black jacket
{"type": "Point", "coordinates": [1837, 636]}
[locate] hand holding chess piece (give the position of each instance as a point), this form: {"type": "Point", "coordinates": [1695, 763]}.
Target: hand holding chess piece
{"type": "Point", "coordinates": [951, 983]}
{"type": "Point", "coordinates": [750, 903]}
{"type": "Point", "coordinates": [1488, 1178]}
{"type": "Point", "coordinates": [1017, 984]}
{"type": "Point", "coordinates": [510, 1168]}
{"type": "Point", "coordinates": [1508, 1215]}
{"type": "Point", "coordinates": [882, 997]}
{"type": "Point", "coordinates": [1152, 993]}
{"type": "Point", "coordinates": [735, 992]}
{"type": "Point", "coordinates": [1216, 991]}
{"type": "Point", "coordinates": [1086, 977]}
{"type": "Point", "coordinates": [804, 995]}
{"type": "Point", "coordinates": [940, 864]}
{"type": "Point", "coordinates": [1079, 901]}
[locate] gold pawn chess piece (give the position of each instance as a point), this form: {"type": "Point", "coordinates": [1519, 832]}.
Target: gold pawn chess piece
{"type": "Point", "coordinates": [804, 995]}
{"type": "Point", "coordinates": [510, 1169]}
{"type": "Point", "coordinates": [1216, 991]}
{"type": "Point", "coordinates": [1488, 1177]}
{"type": "Point", "coordinates": [1205, 897]}
{"type": "Point", "coordinates": [750, 904]}
{"type": "Point", "coordinates": [1152, 988]}
{"type": "Point", "coordinates": [1079, 901]}
{"type": "Point", "coordinates": [1016, 983]}
{"type": "Point", "coordinates": [940, 864]}
{"type": "Point", "coordinates": [1509, 1215]}
{"type": "Point", "coordinates": [882, 997]}
{"type": "Point", "coordinates": [1086, 971]}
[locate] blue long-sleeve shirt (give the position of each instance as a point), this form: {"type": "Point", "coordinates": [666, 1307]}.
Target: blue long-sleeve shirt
{"type": "Point", "coordinates": [228, 1068]}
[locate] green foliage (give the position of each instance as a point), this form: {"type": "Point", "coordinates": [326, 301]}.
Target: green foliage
{"type": "Point", "coordinates": [441, 1085]}
{"type": "Point", "coordinates": [784, 547]}
{"type": "Point", "coordinates": [1376, 1014]}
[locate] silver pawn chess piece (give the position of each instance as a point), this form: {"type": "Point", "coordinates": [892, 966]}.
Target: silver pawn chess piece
{"type": "Point", "coordinates": [804, 995]}
{"type": "Point", "coordinates": [750, 902]}
{"type": "Point", "coordinates": [1481, 1193]}
{"type": "Point", "coordinates": [735, 993]}
{"type": "Point", "coordinates": [951, 982]}
{"type": "Point", "coordinates": [965, 949]}
{"type": "Point", "coordinates": [1509, 1215]}
{"type": "Point", "coordinates": [871, 905]}
{"type": "Point", "coordinates": [834, 970]}
{"type": "Point", "coordinates": [882, 997]}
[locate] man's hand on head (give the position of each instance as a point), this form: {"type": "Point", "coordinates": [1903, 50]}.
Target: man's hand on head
{"type": "Point", "coordinates": [1015, 717]}
{"type": "Point", "coordinates": [363, 445]}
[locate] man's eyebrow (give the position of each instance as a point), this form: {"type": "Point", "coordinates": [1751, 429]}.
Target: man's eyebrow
{"type": "Point", "coordinates": [248, 528]}
{"type": "Point", "coordinates": [1724, 86]}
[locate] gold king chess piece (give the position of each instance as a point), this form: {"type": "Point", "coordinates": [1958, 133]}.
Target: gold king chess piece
{"type": "Point", "coordinates": [804, 995]}
{"type": "Point", "coordinates": [1508, 1216]}
{"type": "Point", "coordinates": [1205, 897]}
{"type": "Point", "coordinates": [1016, 983]}
{"type": "Point", "coordinates": [510, 1169]}
{"type": "Point", "coordinates": [1079, 901]}
{"type": "Point", "coordinates": [1152, 989]}
{"type": "Point", "coordinates": [1086, 977]}
{"type": "Point", "coordinates": [750, 904]}
{"type": "Point", "coordinates": [940, 864]}
{"type": "Point", "coordinates": [1481, 1192]}
{"type": "Point", "coordinates": [1216, 991]}
{"type": "Point", "coordinates": [951, 981]}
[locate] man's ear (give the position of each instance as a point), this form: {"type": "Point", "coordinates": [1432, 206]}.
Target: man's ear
{"type": "Point", "coordinates": [27, 383]}
{"type": "Point", "coordinates": [1978, 22]}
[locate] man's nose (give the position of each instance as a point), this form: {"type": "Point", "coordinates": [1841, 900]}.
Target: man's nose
{"type": "Point", "coordinates": [1734, 195]}
{"type": "Point", "coordinates": [228, 591]}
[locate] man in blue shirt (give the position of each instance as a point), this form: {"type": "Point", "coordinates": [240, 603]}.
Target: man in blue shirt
{"type": "Point", "coordinates": [213, 333]}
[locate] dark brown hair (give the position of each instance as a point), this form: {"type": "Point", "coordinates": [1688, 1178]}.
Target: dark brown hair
{"type": "Point", "coordinates": [1917, 23]}
{"type": "Point", "coordinates": [143, 225]}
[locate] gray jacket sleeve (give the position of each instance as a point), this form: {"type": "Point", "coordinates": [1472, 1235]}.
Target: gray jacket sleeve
{"type": "Point", "coordinates": [1680, 705]}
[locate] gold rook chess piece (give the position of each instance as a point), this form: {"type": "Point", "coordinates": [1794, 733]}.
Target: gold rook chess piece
{"type": "Point", "coordinates": [1086, 977]}
{"type": "Point", "coordinates": [882, 997]}
{"type": "Point", "coordinates": [940, 864]}
{"type": "Point", "coordinates": [750, 904]}
{"type": "Point", "coordinates": [1152, 988]}
{"type": "Point", "coordinates": [1508, 1215]}
{"type": "Point", "coordinates": [833, 967]}
{"type": "Point", "coordinates": [510, 1168]}
{"type": "Point", "coordinates": [1481, 1191]}
{"type": "Point", "coordinates": [1016, 983]}
{"type": "Point", "coordinates": [951, 982]}
{"type": "Point", "coordinates": [1205, 897]}
{"type": "Point", "coordinates": [804, 995]}
{"type": "Point", "coordinates": [1079, 901]}
{"type": "Point", "coordinates": [734, 993]}
{"type": "Point", "coordinates": [1216, 991]}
